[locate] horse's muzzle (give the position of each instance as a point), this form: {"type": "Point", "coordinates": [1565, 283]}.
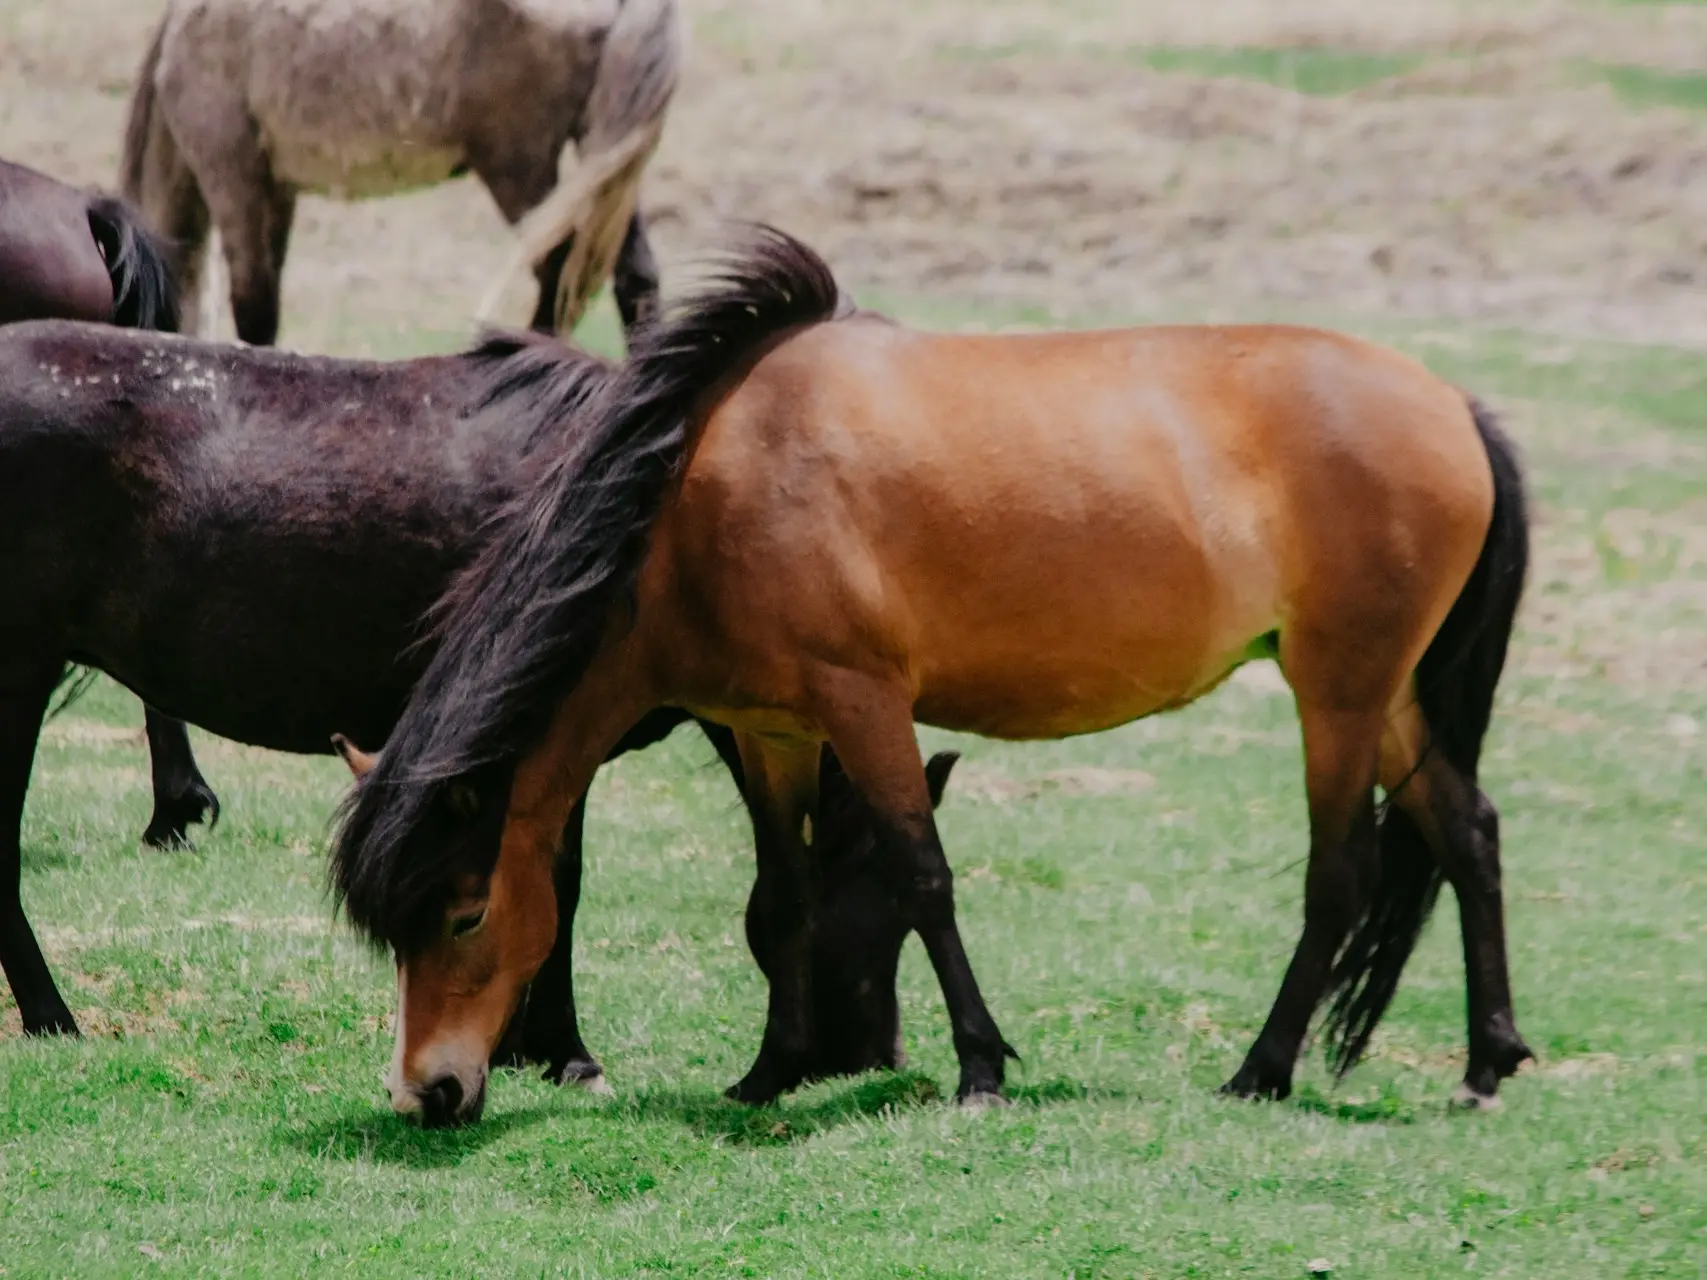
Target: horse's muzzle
{"type": "Point", "coordinates": [444, 1106]}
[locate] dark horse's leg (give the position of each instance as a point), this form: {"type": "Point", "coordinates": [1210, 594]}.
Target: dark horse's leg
{"type": "Point", "coordinates": [181, 794]}
{"type": "Point", "coordinates": [1341, 753]}
{"type": "Point", "coordinates": [780, 780]}
{"type": "Point", "coordinates": [1463, 828]}
{"type": "Point", "coordinates": [635, 278]}
{"type": "Point", "coordinates": [24, 693]}
{"type": "Point", "coordinates": [544, 1028]}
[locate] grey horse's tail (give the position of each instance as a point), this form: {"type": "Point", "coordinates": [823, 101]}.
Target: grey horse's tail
{"type": "Point", "coordinates": [636, 78]}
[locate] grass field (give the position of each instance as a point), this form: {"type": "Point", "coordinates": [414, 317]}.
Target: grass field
{"type": "Point", "coordinates": [1493, 186]}
{"type": "Point", "coordinates": [226, 1113]}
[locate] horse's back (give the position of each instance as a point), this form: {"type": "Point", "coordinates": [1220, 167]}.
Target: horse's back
{"type": "Point", "coordinates": [1109, 520]}
{"type": "Point", "coordinates": [243, 536]}
{"type": "Point", "coordinates": [372, 97]}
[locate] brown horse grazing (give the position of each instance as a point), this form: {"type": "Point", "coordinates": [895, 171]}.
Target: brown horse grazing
{"type": "Point", "coordinates": [811, 524]}
{"type": "Point", "coordinates": [242, 104]}
{"type": "Point", "coordinates": [248, 539]}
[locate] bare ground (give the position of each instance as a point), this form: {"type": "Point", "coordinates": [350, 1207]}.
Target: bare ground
{"type": "Point", "coordinates": [1022, 150]}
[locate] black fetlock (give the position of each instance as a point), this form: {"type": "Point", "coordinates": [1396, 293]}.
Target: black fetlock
{"type": "Point", "coordinates": [1260, 1079]}
{"type": "Point", "coordinates": [173, 816]}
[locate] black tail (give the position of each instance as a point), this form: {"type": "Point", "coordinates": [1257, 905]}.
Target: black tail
{"type": "Point", "coordinates": [518, 628]}
{"type": "Point", "coordinates": [145, 295]}
{"type": "Point", "coordinates": [1455, 680]}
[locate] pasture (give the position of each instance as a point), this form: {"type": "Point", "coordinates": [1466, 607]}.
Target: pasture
{"type": "Point", "coordinates": [1514, 192]}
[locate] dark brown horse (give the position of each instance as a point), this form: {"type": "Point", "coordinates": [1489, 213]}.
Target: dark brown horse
{"type": "Point", "coordinates": [814, 525]}
{"type": "Point", "coordinates": [247, 539]}
{"type": "Point", "coordinates": [67, 254]}
{"type": "Point", "coordinates": [240, 105]}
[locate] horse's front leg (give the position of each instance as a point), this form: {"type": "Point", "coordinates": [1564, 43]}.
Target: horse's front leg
{"type": "Point", "coordinates": [24, 695]}
{"type": "Point", "coordinates": [544, 1028]}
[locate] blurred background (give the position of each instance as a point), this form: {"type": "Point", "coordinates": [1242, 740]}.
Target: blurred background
{"type": "Point", "coordinates": [1538, 163]}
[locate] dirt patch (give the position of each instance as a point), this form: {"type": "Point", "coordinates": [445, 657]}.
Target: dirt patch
{"type": "Point", "coordinates": [1030, 152]}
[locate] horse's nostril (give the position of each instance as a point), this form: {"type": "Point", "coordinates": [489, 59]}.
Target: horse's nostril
{"type": "Point", "coordinates": [439, 1103]}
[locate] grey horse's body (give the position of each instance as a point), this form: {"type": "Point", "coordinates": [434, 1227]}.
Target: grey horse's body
{"type": "Point", "coordinates": [243, 104]}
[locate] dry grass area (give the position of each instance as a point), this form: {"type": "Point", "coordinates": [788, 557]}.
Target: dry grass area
{"type": "Point", "coordinates": [1462, 158]}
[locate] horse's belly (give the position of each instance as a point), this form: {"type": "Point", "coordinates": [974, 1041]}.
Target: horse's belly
{"type": "Point", "coordinates": [357, 168]}
{"type": "Point", "coordinates": [1039, 698]}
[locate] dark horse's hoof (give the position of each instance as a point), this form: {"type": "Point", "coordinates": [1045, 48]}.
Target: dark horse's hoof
{"type": "Point", "coordinates": [169, 827]}
{"type": "Point", "coordinates": [58, 1024]}
{"type": "Point", "coordinates": [1257, 1086]}
{"type": "Point", "coordinates": [581, 1074]}
{"type": "Point", "coordinates": [765, 1083]}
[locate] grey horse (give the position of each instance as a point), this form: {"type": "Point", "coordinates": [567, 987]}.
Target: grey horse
{"type": "Point", "coordinates": [242, 104]}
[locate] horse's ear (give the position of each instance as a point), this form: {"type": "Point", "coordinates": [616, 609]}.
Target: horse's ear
{"type": "Point", "coordinates": [936, 774]}
{"type": "Point", "coordinates": [360, 762]}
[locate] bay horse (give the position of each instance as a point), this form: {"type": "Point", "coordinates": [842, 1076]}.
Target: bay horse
{"type": "Point", "coordinates": [812, 524]}
{"type": "Point", "coordinates": [248, 538]}
{"type": "Point", "coordinates": [76, 255]}
{"type": "Point", "coordinates": [240, 105]}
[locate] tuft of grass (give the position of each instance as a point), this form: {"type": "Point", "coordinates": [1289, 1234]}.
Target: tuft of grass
{"type": "Point", "coordinates": [1650, 87]}
{"type": "Point", "coordinates": [1320, 72]}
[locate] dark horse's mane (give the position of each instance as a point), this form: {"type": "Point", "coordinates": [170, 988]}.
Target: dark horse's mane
{"type": "Point", "coordinates": [517, 629]}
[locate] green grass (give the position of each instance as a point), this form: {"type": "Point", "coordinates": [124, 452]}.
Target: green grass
{"type": "Point", "coordinates": [227, 1117]}
{"type": "Point", "coordinates": [1321, 72]}
{"type": "Point", "coordinates": [1649, 87]}
{"type": "Point", "coordinates": [1312, 69]}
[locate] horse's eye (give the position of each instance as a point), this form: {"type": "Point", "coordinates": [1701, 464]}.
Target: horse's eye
{"type": "Point", "coordinates": [462, 926]}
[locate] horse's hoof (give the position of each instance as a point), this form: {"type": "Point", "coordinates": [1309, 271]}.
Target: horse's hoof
{"type": "Point", "coordinates": [1252, 1087]}
{"type": "Point", "coordinates": [169, 827]}
{"type": "Point", "coordinates": [1465, 1098]}
{"type": "Point", "coordinates": [60, 1023]}
{"type": "Point", "coordinates": [982, 1100]}
{"type": "Point", "coordinates": [589, 1076]}
{"type": "Point", "coordinates": [757, 1090]}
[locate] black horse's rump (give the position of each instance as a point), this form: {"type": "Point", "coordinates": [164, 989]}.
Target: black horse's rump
{"type": "Point", "coordinates": [249, 540]}
{"type": "Point", "coordinates": [71, 255]}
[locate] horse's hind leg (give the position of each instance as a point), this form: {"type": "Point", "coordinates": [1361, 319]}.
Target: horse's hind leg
{"type": "Point", "coordinates": [1462, 828]}
{"type": "Point", "coordinates": [24, 695]}
{"type": "Point", "coordinates": [544, 1028]}
{"type": "Point", "coordinates": [251, 208]}
{"type": "Point", "coordinates": [181, 794]}
{"type": "Point", "coordinates": [1341, 752]}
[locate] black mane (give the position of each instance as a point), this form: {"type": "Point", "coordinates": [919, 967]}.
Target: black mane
{"type": "Point", "coordinates": [518, 627]}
